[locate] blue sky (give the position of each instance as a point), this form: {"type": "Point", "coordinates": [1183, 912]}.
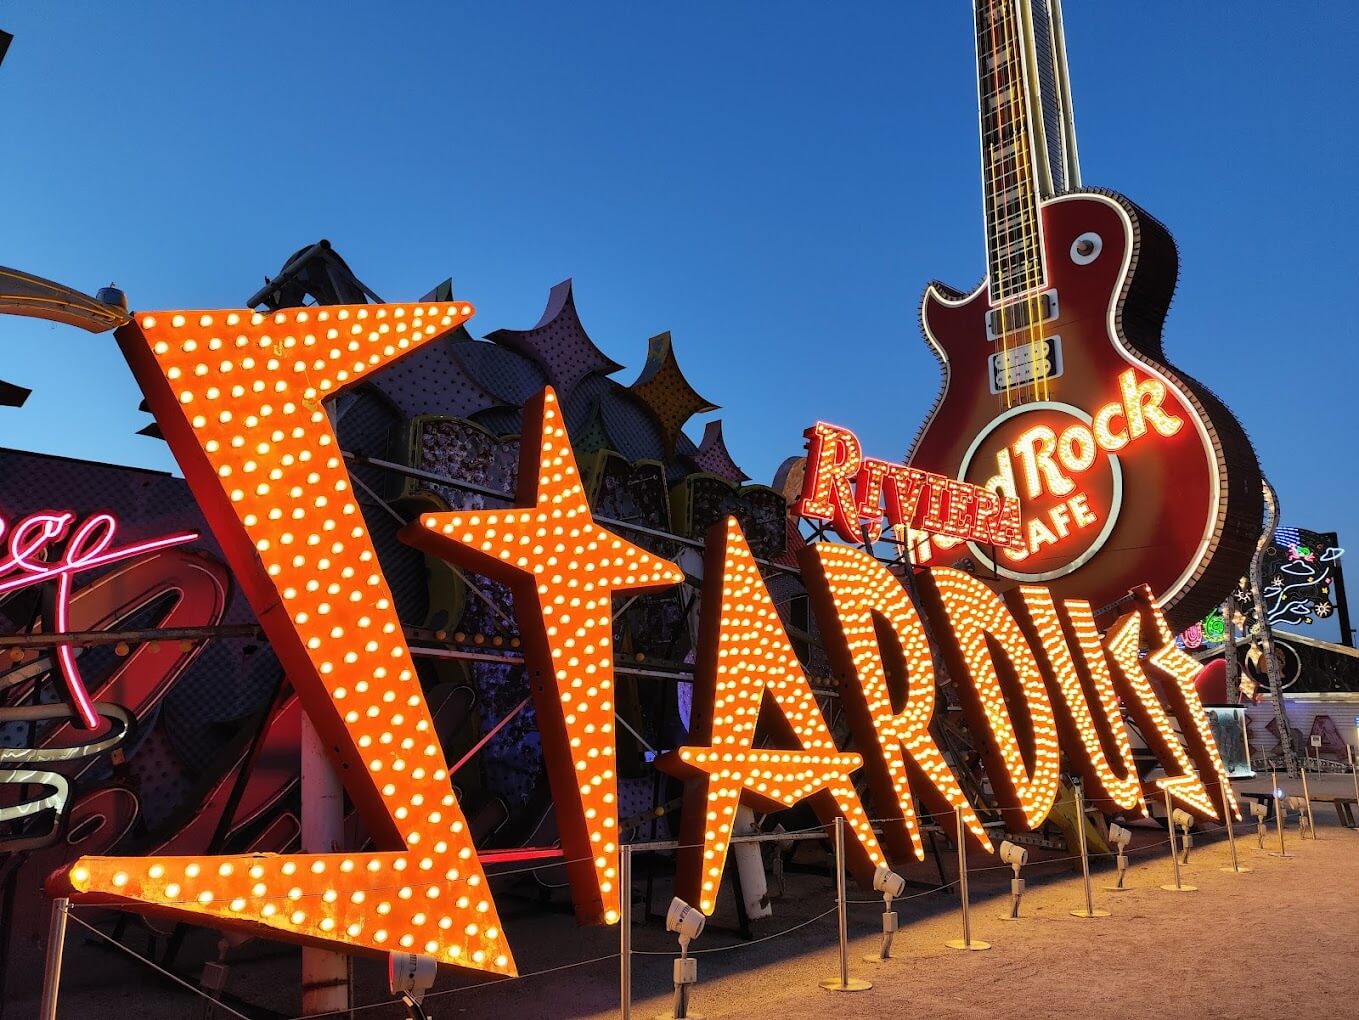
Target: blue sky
{"type": "Point", "coordinates": [773, 183]}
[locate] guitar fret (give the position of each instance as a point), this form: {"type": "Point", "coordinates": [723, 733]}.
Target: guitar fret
{"type": "Point", "coordinates": [1014, 256]}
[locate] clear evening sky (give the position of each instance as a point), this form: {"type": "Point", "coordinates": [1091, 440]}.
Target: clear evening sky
{"type": "Point", "coordinates": [775, 183]}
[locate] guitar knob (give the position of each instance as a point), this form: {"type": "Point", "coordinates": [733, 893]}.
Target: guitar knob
{"type": "Point", "coordinates": [1086, 248]}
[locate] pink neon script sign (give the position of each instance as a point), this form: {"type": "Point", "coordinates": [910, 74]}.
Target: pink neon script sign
{"type": "Point", "coordinates": [31, 560]}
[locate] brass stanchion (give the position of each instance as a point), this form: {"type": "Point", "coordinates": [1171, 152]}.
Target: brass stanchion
{"type": "Point", "coordinates": [1307, 799]}
{"type": "Point", "coordinates": [843, 983]}
{"type": "Point", "coordinates": [966, 942]}
{"type": "Point", "coordinates": [1089, 910]}
{"type": "Point", "coordinates": [625, 931]}
{"type": "Point", "coordinates": [1236, 867]}
{"type": "Point", "coordinates": [56, 944]}
{"type": "Point", "coordinates": [1278, 814]}
{"type": "Point", "coordinates": [1354, 771]}
{"type": "Point", "coordinates": [1178, 886]}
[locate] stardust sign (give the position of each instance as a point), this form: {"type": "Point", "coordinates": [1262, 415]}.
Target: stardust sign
{"type": "Point", "coordinates": [238, 396]}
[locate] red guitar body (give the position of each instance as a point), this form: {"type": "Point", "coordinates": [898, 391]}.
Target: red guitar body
{"type": "Point", "coordinates": [1168, 494]}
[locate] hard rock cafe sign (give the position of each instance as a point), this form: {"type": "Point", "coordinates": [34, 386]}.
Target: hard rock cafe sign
{"type": "Point", "coordinates": [238, 396]}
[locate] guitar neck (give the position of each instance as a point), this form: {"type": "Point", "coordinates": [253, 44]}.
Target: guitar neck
{"type": "Point", "coordinates": [1027, 140]}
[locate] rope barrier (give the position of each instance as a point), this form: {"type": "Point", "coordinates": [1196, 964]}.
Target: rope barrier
{"type": "Point", "coordinates": [808, 832]}
{"type": "Point", "coordinates": [71, 914]}
{"type": "Point", "coordinates": [740, 945]}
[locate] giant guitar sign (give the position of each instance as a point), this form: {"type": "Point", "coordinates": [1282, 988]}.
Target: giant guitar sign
{"type": "Point", "coordinates": [1055, 390]}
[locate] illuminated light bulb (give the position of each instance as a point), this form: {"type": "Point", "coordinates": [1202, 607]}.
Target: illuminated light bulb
{"type": "Point", "coordinates": [789, 775]}
{"type": "Point", "coordinates": [579, 558]}
{"type": "Point", "coordinates": [248, 393]}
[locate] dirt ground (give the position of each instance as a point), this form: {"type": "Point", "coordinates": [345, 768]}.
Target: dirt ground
{"type": "Point", "coordinates": [1267, 943]}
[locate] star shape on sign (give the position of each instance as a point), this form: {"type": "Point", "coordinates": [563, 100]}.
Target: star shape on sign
{"type": "Point", "coordinates": [744, 656]}
{"type": "Point", "coordinates": [666, 393]}
{"type": "Point", "coordinates": [564, 570]}
{"type": "Point", "coordinates": [239, 397]}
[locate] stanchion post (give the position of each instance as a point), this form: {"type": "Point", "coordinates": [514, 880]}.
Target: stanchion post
{"type": "Point", "coordinates": [1174, 850]}
{"type": "Point", "coordinates": [1278, 812]}
{"type": "Point", "coordinates": [843, 983]}
{"type": "Point", "coordinates": [1354, 771]}
{"type": "Point", "coordinates": [1236, 867]}
{"type": "Point", "coordinates": [1089, 910]}
{"type": "Point", "coordinates": [966, 942]}
{"type": "Point", "coordinates": [56, 944]}
{"type": "Point", "coordinates": [625, 931]}
{"type": "Point", "coordinates": [1307, 799]}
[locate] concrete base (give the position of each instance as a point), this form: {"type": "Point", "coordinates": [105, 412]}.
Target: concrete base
{"type": "Point", "coordinates": [976, 945]}
{"type": "Point", "coordinates": [852, 985]}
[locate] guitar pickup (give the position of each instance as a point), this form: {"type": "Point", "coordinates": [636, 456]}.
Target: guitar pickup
{"type": "Point", "coordinates": [1017, 314]}
{"type": "Point", "coordinates": [1025, 366]}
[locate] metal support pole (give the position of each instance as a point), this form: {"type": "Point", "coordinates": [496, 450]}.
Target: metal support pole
{"type": "Point", "coordinates": [325, 974]}
{"type": "Point", "coordinates": [966, 942]}
{"type": "Point", "coordinates": [1122, 861]}
{"type": "Point", "coordinates": [1278, 813]}
{"type": "Point", "coordinates": [56, 944]}
{"type": "Point", "coordinates": [1307, 799]}
{"type": "Point", "coordinates": [1174, 851]}
{"type": "Point", "coordinates": [625, 931]}
{"type": "Point", "coordinates": [843, 983]}
{"type": "Point", "coordinates": [1266, 635]}
{"type": "Point", "coordinates": [1089, 910]}
{"type": "Point", "coordinates": [1229, 651]}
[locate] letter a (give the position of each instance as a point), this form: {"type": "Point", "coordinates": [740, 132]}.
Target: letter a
{"type": "Point", "coordinates": [743, 656]}
{"type": "Point", "coordinates": [853, 592]}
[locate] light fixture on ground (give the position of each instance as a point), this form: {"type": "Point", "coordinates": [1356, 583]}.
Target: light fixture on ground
{"type": "Point", "coordinates": [686, 922]}
{"type": "Point", "coordinates": [1120, 837]}
{"type": "Point", "coordinates": [1186, 822]}
{"type": "Point", "coordinates": [1016, 857]}
{"type": "Point", "coordinates": [891, 885]}
{"type": "Point", "coordinates": [410, 976]}
{"type": "Point", "coordinates": [1299, 805]}
{"type": "Point", "coordinates": [1260, 812]}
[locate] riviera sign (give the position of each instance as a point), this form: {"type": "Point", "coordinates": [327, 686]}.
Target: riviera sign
{"type": "Point", "coordinates": [237, 395]}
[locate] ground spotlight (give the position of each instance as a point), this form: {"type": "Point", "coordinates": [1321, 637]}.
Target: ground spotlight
{"type": "Point", "coordinates": [1120, 838]}
{"type": "Point", "coordinates": [686, 922]}
{"type": "Point", "coordinates": [1299, 804]}
{"type": "Point", "coordinates": [891, 885]}
{"type": "Point", "coordinates": [1185, 821]}
{"type": "Point", "coordinates": [1016, 857]}
{"type": "Point", "coordinates": [410, 976]}
{"type": "Point", "coordinates": [1260, 812]}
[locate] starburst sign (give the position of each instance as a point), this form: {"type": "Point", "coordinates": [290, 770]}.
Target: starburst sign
{"type": "Point", "coordinates": [238, 396]}
{"type": "Point", "coordinates": [556, 559]}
